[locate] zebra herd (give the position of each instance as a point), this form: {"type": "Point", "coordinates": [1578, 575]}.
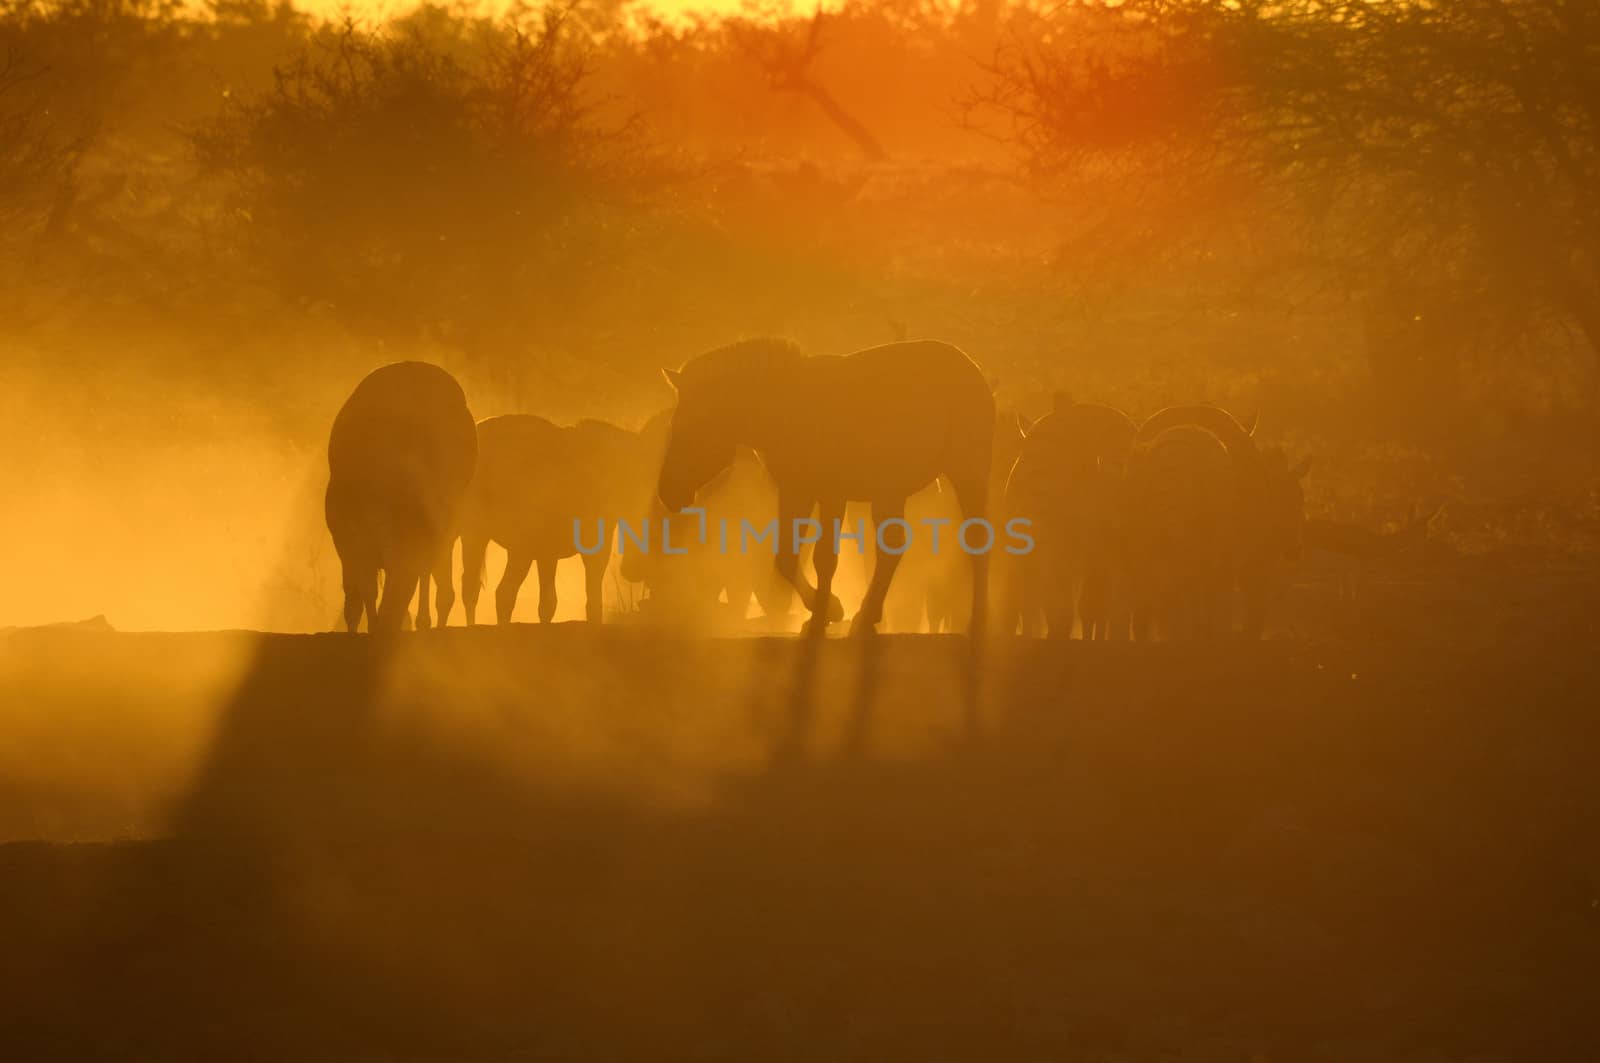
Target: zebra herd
{"type": "Point", "coordinates": [1150, 528]}
{"type": "Point", "coordinates": [1135, 530]}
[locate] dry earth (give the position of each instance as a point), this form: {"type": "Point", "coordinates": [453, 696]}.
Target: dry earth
{"type": "Point", "coordinates": [1375, 840]}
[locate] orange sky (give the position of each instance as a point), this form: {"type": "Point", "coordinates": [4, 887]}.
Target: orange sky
{"type": "Point", "coordinates": [380, 7]}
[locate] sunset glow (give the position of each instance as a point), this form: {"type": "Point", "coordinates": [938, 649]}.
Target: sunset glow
{"type": "Point", "coordinates": [704, 530]}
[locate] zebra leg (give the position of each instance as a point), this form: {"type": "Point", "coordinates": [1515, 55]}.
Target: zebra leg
{"type": "Point", "coordinates": [888, 559]}
{"type": "Point", "coordinates": [1118, 617]}
{"type": "Point", "coordinates": [594, 586]}
{"type": "Point", "coordinates": [1058, 597]}
{"type": "Point", "coordinates": [547, 589]}
{"type": "Point", "coordinates": [1057, 582]}
{"type": "Point", "coordinates": [360, 596]}
{"type": "Point", "coordinates": [424, 616]}
{"type": "Point", "coordinates": [399, 584]}
{"type": "Point", "coordinates": [1026, 593]}
{"type": "Point", "coordinates": [946, 590]}
{"type": "Point", "coordinates": [792, 508]}
{"type": "Point", "coordinates": [825, 556]}
{"type": "Point", "coordinates": [972, 491]}
{"type": "Point", "coordinates": [1093, 600]}
{"type": "Point", "coordinates": [1143, 628]}
{"type": "Point", "coordinates": [444, 581]}
{"type": "Point", "coordinates": [473, 548]}
{"type": "Point", "coordinates": [505, 595]}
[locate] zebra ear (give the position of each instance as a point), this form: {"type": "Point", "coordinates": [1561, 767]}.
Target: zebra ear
{"type": "Point", "coordinates": [1300, 470]}
{"type": "Point", "coordinates": [1024, 425]}
{"type": "Point", "coordinates": [673, 378]}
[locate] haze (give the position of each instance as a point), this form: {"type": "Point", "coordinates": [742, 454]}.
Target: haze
{"type": "Point", "coordinates": [1276, 325]}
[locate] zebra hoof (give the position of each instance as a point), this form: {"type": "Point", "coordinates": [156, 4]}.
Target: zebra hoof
{"type": "Point", "coordinates": [813, 630]}
{"type": "Point", "coordinates": [862, 628]}
{"type": "Point", "coordinates": [835, 609]}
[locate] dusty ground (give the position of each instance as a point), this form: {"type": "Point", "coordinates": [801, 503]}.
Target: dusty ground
{"type": "Point", "coordinates": [1379, 839]}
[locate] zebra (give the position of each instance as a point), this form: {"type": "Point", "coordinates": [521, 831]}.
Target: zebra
{"type": "Point", "coordinates": [1067, 480]}
{"type": "Point", "coordinates": [1266, 495]}
{"type": "Point", "coordinates": [400, 458]}
{"type": "Point", "coordinates": [1181, 528]}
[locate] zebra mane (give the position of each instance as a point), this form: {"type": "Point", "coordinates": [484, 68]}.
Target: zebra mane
{"type": "Point", "coordinates": [744, 358]}
{"type": "Point", "coordinates": [657, 422]}
{"type": "Point", "coordinates": [594, 424]}
{"type": "Point", "coordinates": [602, 433]}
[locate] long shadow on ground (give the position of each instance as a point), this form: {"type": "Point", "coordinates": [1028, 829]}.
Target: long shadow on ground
{"type": "Point", "coordinates": [570, 843]}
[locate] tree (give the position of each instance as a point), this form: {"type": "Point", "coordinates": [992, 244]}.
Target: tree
{"type": "Point", "coordinates": [1458, 142]}
{"type": "Point", "coordinates": [788, 61]}
{"type": "Point", "coordinates": [37, 157]}
{"type": "Point", "coordinates": [413, 186]}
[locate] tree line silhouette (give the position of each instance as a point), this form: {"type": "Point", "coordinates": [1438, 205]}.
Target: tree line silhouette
{"type": "Point", "coordinates": [1402, 191]}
